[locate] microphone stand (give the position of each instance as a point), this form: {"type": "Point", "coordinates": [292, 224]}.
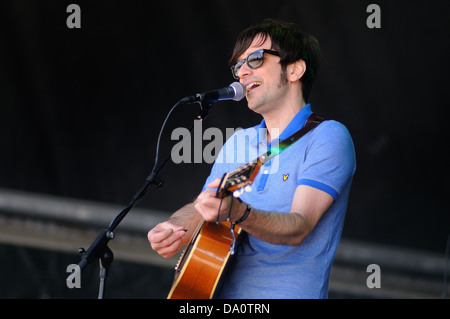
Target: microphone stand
{"type": "Point", "coordinates": [99, 249]}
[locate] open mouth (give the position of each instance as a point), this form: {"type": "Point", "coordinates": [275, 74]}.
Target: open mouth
{"type": "Point", "coordinates": [252, 86]}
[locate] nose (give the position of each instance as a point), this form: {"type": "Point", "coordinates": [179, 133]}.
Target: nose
{"type": "Point", "coordinates": [244, 71]}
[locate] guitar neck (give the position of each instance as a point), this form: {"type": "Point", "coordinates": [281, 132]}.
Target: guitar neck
{"type": "Point", "coordinates": [242, 176]}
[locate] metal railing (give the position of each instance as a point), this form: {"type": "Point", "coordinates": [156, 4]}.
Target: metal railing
{"type": "Point", "coordinates": [65, 224]}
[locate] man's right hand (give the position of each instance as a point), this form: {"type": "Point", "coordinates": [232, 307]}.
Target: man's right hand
{"type": "Point", "coordinates": [166, 239]}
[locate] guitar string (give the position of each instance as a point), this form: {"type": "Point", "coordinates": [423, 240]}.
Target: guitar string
{"type": "Point", "coordinates": [229, 212]}
{"type": "Point", "coordinates": [218, 212]}
{"type": "Point", "coordinates": [231, 206]}
{"type": "Point", "coordinates": [232, 225]}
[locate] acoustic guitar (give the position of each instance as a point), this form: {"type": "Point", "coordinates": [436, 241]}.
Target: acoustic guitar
{"type": "Point", "coordinates": [203, 261]}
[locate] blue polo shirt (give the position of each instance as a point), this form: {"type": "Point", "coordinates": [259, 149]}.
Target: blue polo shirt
{"type": "Point", "coordinates": [325, 159]}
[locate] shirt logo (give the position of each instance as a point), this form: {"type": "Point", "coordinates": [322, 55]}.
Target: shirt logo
{"type": "Point", "coordinates": [285, 177]}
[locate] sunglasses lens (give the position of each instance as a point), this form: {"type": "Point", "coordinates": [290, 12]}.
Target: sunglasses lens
{"type": "Point", "coordinates": [236, 68]}
{"type": "Point", "coordinates": [256, 59]}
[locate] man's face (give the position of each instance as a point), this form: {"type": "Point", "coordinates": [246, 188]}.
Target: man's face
{"type": "Point", "coordinates": [266, 86]}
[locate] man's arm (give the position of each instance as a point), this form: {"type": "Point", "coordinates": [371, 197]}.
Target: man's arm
{"type": "Point", "coordinates": [187, 218]}
{"type": "Point", "coordinates": [308, 206]}
{"type": "Point", "coordinates": [167, 238]}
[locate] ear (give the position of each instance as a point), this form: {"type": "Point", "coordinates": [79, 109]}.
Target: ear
{"type": "Point", "coordinates": [296, 70]}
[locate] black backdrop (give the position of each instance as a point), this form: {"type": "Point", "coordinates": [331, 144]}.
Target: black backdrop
{"type": "Point", "coordinates": [80, 109]}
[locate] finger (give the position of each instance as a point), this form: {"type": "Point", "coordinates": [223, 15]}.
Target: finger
{"type": "Point", "coordinates": [179, 229]}
{"type": "Point", "coordinates": [215, 183]}
{"type": "Point", "coordinates": [208, 214]}
{"type": "Point", "coordinates": [168, 241]}
{"type": "Point", "coordinates": [171, 250]}
{"type": "Point", "coordinates": [157, 235]}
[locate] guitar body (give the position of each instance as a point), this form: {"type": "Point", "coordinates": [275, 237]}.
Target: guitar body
{"type": "Point", "coordinates": [203, 261]}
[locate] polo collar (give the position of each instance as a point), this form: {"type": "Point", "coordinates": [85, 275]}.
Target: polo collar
{"type": "Point", "coordinates": [294, 125]}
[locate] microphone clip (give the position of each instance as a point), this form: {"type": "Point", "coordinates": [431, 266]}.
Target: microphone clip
{"type": "Point", "coordinates": [205, 104]}
{"type": "Point", "coordinates": [191, 99]}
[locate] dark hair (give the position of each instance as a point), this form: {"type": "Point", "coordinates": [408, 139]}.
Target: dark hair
{"type": "Point", "coordinates": [292, 44]}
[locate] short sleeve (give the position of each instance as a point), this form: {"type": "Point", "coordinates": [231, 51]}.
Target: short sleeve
{"type": "Point", "coordinates": [330, 160]}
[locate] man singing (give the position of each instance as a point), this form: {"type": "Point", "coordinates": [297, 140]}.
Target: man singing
{"type": "Point", "coordinates": [294, 215]}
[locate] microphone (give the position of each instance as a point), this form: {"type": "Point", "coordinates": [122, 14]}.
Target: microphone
{"type": "Point", "coordinates": [235, 91]}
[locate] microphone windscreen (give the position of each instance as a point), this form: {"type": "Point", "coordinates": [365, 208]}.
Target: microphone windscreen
{"type": "Point", "coordinates": [239, 91]}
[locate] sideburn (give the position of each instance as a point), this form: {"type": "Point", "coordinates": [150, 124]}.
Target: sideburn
{"type": "Point", "coordinates": [283, 77]}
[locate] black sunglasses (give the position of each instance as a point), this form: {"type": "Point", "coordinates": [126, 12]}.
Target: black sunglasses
{"type": "Point", "coordinates": [254, 60]}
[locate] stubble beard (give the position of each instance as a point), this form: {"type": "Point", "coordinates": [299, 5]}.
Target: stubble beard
{"type": "Point", "coordinates": [256, 105]}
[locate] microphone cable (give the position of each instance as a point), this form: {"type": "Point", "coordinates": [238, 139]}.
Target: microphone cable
{"type": "Point", "coordinates": [160, 134]}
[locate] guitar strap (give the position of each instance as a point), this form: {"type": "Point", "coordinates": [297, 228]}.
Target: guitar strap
{"type": "Point", "coordinates": [312, 122]}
